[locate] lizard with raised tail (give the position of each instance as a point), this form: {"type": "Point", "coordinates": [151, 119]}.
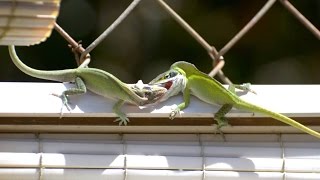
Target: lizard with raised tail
{"type": "Point", "coordinates": [97, 81]}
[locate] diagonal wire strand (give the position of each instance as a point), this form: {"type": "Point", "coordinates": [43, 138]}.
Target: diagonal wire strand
{"type": "Point", "coordinates": [218, 60]}
{"type": "Point", "coordinates": [247, 27]}
{"type": "Point", "coordinates": [123, 15]}
{"type": "Point", "coordinates": [301, 18]}
{"type": "Point", "coordinates": [75, 45]}
{"type": "Point", "coordinates": [210, 49]}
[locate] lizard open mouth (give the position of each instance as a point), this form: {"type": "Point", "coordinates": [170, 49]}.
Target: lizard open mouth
{"type": "Point", "coordinates": [174, 84]}
{"type": "Point", "coordinates": [167, 84]}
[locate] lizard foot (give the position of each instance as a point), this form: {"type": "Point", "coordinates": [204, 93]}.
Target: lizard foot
{"type": "Point", "coordinates": [122, 119]}
{"type": "Point", "coordinates": [174, 113]}
{"type": "Point", "coordinates": [218, 129]}
{"type": "Point", "coordinates": [65, 103]}
{"type": "Point", "coordinates": [245, 87]}
{"type": "Point", "coordinates": [221, 121]}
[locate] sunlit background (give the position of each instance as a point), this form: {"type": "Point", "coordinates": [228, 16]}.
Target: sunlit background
{"type": "Point", "coordinates": [278, 50]}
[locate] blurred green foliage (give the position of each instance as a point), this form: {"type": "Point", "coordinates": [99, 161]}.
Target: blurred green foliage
{"type": "Point", "coordinates": [278, 50]}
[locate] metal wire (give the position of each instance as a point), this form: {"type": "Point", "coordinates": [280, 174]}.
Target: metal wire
{"type": "Point", "coordinates": [217, 56]}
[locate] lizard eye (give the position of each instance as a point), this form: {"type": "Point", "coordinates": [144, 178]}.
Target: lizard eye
{"type": "Point", "coordinates": [173, 73]}
{"type": "Point", "coordinates": [170, 75]}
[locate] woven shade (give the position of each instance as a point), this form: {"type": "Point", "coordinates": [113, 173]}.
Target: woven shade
{"type": "Point", "coordinates": [159, 156]}
{"type": "Point", "coordinates": [27, 22]}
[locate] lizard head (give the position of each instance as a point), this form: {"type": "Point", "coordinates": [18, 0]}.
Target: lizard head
{"type": "Point", "coordinates": [173, 80]}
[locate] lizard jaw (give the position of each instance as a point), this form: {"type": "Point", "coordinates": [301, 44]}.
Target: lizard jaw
{"type": "Point", "coordinates": [173, 85]}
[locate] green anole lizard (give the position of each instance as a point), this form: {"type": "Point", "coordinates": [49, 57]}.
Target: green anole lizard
{"type": "Point", "coordinates": [192, 81]}
{"type": "Point", "coordinates": [97, 81]}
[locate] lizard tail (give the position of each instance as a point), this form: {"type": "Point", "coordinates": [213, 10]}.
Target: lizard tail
{"type": "Point", "coordinates": [251, 107]}
{"type": "Point", "coordinates": [67, 75]}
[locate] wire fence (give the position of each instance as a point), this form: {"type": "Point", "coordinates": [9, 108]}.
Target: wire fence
{"type": "Point", "coordinates": [82, 54]}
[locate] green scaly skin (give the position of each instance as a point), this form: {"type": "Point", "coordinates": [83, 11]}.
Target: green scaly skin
{"type": "Point", "coordinates": [211, 91]}
{"type": "Point", "coordinates": [97, 81]}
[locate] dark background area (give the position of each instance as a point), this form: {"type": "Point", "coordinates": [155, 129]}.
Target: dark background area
{"type": "Point", "coordinates": [278, 50]}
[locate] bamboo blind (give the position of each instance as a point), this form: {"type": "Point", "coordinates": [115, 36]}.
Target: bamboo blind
{"type": "Point", "coordinates": [159, 156]}
{"type": "Point", "coordinates": [27, 22]}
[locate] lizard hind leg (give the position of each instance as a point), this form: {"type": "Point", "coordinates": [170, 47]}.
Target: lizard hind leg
{"type": "Point", "coordinates": [122, 117]}
{"type": "Point", "coordinates": [220, 116]}
{"type": "Point", "coordinates": [79, 89]}
{"type": "Point", "coordinates": [221, 119]}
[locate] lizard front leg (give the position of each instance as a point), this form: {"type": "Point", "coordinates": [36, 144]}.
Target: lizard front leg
{"type": "Point", "coordinates": [183, 105]}
{"type": "Point", "coordinates": [122, 117]}
{"type": "Point", "coordinates": [148, 94]}
{"type": "Point", "coordinates": [243, 87]}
